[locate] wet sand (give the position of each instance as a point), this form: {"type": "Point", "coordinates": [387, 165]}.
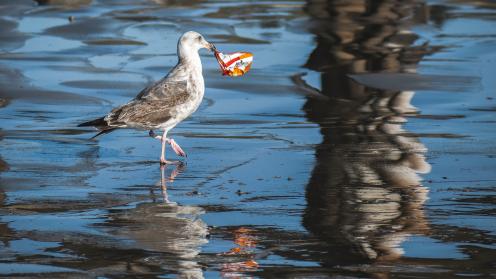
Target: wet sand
{"type": "Point", "coordinates": [361, 144]}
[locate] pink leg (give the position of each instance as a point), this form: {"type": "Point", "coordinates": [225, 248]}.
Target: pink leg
{"type": "Point", "coordinates": [163, 140]}
{"type": "Point", "coordinates": [179, 151]}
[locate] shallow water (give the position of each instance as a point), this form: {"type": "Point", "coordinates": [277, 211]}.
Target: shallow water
{"type": "Point", "coordinates": [361, 143]}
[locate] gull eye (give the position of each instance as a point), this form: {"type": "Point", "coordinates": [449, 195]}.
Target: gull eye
{"type": "Point", "coordinates": [199, 38]}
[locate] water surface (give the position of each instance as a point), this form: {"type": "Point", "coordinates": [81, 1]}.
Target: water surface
{"type": "Point", "coordinates": [361, 143]}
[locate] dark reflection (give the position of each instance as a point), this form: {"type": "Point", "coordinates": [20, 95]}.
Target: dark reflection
{"type": "Point", "coordinates": [364, 195]}
{"type": "Point", "coordinates": [3, 165]}
{"type": "Point", "coordinates": [5, 231]}
{"type": "Point", "coordinates": [64, 2]}
{"type": "Point", "coordinates": [175, 231]}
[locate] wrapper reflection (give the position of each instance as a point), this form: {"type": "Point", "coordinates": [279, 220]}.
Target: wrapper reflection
{"type": "Point", "coordinates": [242, 256]}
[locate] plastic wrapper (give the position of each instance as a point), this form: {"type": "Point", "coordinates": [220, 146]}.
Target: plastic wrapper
{"type": "Point", "coordinates": [234, 64]}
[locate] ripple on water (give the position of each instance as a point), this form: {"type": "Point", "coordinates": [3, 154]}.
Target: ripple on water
{"type": "Point", "coordinates": [48, 44]}
{"type": "Point", "coordinates": [39, 24]}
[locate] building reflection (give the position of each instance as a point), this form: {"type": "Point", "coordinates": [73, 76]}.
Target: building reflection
{"type": "Point", "coordinates": [365, 195]}
{"type": "Point", "coordinates": [4, 228]}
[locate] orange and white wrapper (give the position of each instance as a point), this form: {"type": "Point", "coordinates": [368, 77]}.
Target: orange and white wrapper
{"type": "Point", "coordinates": [234, 64]}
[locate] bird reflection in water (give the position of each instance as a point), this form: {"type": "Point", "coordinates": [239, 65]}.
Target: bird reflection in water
{"type": "Point", "coordinates": [175, 231]}
{"type": "Point", "coordinates": [365, 195]}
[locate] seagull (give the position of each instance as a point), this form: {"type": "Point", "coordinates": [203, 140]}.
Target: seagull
{"type": "Point", "coordinates": [165, 103]}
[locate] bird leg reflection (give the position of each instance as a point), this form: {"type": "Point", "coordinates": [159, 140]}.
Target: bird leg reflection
{"type": "Point", "coordinates": [163, 180]}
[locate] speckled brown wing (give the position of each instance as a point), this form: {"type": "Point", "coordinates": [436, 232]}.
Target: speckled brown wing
{"type": "Point", "coordinates": [152, 107]}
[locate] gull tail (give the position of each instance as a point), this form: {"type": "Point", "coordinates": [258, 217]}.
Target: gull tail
{"type": "Point", "coordinates": [100, 124]}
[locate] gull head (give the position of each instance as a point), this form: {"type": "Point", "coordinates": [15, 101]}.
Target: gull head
{"type": "Point", "coordinates": [193, 41]}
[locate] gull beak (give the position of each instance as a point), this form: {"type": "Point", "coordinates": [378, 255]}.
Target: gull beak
{"type": "Point", "coordinates": [210, 46]}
